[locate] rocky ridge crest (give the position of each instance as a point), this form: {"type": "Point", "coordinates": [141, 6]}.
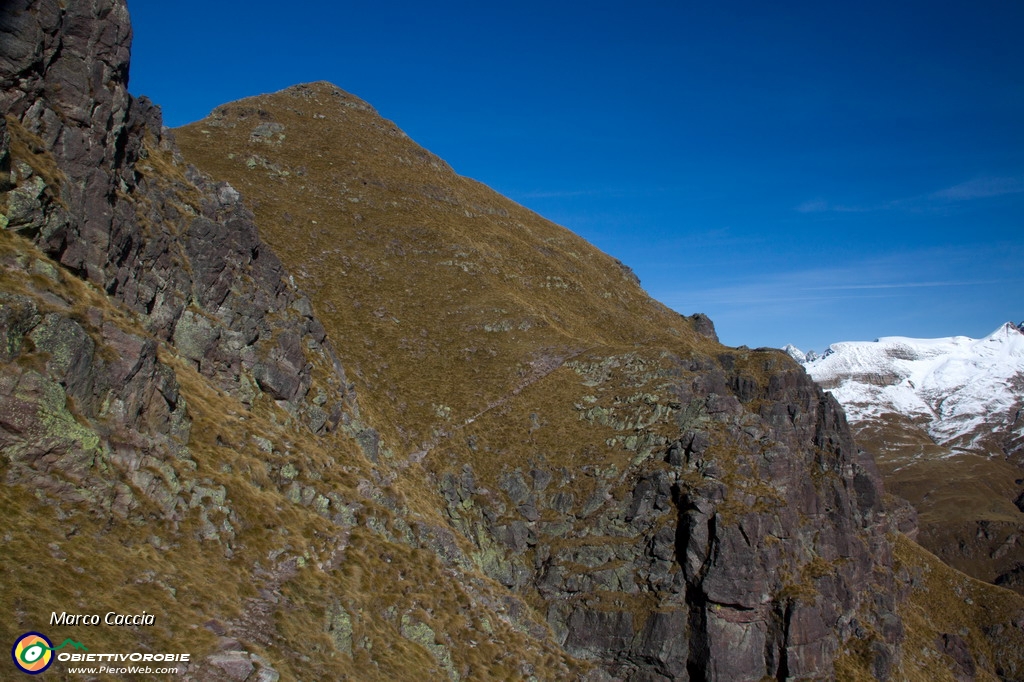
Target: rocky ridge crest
{"type": "Point", "coordinates": [650, 497]}
{"type": "Point", "coordinates": [622, 498]}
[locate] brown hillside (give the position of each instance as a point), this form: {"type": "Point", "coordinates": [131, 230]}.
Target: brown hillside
{"type": "Point", "coordinates": [965, 500]}
{"type": "Point", "coordinates": [497, 348]}
{"type": "Point", "coordinates": [567, 419]}
{"type": "Point", "coordinates": [448, 296]}
{"type": "Point", "coordinates": [477, 450]}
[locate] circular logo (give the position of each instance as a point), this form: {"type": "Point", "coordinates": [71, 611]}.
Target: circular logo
{"type": "Point", "coordinates": [32, 653]}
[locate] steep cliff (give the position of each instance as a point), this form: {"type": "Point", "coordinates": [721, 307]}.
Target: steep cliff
{"type": "Point", "coordinates": [546, 475]}
{"type": "Point", "coordinates": [644, 488]}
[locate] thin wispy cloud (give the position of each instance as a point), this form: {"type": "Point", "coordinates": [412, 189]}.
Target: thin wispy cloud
{"type": "Point", "coordinates": [981, 188]}
{"type": "Point", "coordinates": [889, 294]}
{"type": "Point", "coordinates": [907, 285]}
{"type": "Point", "coordinates": [558, 194]}
{"type": "Point", "coordinates": [971, 190]}
{"type": "Point", "coordinates": [612, 191]}
{"type": "Point", "coordinates": [813, 206]}
{"type": "Point", "coordinates": [821, 206]}
{"type": "Point", "coordinates": [880, 277]}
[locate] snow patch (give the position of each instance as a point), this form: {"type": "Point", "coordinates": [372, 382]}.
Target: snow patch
{"type": "Point", "coordinates": [959, 385]}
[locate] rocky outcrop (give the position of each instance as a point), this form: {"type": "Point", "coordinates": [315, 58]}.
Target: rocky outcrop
{"type": "Point", "coordinates": [104, 200]}
{"type": "Point", "coordinates": [751, 544]}
{"type": "Point", "coordinates": [138, 269]}
{"type": "Point", "coordinates": [90, 377]}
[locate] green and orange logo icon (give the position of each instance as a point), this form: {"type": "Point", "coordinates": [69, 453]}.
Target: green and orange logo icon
{"type": "Point", "coordinates": [32, 653]}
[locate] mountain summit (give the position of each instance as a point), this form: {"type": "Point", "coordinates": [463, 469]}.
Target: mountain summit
{"type": "Point", "coordinates": [324, 409]}
{"type": "Point", "coordinates": [440, 285]}
{"type": "Point", "coordinates": [567, 420]}
{"type": "Point", "coordinates": [966, 393]}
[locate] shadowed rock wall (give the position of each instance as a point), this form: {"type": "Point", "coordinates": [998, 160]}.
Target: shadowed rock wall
{"type": "Point", "coordinates": [752, 545]}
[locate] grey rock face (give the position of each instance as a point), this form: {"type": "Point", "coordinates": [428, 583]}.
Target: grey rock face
{"type": "Point", "coordinates": [704, 326]}
{"type": "Point", "coordinates": [152, 260]}
{"type": "Point", "coordinates": [96, 379]}
{"type": "Point", "coordinates": [182, 253]}
{"type": "Point", "coordinates": [722, 559]}
{"type": "Point", "coordinates": [91, 413]}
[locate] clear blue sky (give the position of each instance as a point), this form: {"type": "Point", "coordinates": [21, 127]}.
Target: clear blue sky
{"type": "Point", "coordinates": [803, 172]}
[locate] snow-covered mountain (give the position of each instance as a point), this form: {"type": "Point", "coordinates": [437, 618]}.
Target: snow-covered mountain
{"type": "Point", "coordinates": [967, 394]}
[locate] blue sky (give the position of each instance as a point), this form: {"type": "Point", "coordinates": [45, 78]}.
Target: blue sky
{"type": "Point", "coordinates": [802, 172]}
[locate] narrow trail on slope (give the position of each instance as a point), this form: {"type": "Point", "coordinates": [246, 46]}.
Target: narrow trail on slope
{"type": "Point", "coordinates": [256, 624]}
{"type": "Point", "coordinates": [541, 368]}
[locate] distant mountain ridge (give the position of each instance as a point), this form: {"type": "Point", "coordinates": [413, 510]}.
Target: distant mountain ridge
{"type": "Point", "coordinates": [968, 394]}
{"type": "Point", "coordinates": [945, 420]}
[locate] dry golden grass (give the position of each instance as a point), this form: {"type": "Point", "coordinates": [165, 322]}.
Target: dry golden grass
{"type": "Point", "coordinates": [964, 501]}
{"type": "Point", "coordinates": [944, 601]}
{"type": "Point", "coordinates": [958, 487]}
{"type": "Point", "coordinates": [30, 148]}
{"type": "Point", "coordinates": [440, 292]}
{"type": "Point", "coordinates": [83, 565]}
{"type": "Point", "coordinates": [94, 562]}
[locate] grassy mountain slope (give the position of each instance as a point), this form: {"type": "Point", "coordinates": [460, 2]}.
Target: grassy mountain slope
{"type": "Point", "coordinates": [254, 542]}
{"type": "Point", "coordinates": [449, 296]}
{"type": "Point", "coordinates": [525, 371]}
{"type": "Point", "coordinates": [476, 451]}
{"type": "Point", "coordinates": [965, 500]}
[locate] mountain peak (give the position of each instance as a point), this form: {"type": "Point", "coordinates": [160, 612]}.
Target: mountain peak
{"type": "Point", "coordinates": [963, 388]}
{"type": "Point", "coordinates": [324, 93]}
{"type": "Point", "coordinates": [795, 353]}
{"type": "Point", "coordinates": [1010, 327]}
{"type": "Point", "coordinates": [466, 316]}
